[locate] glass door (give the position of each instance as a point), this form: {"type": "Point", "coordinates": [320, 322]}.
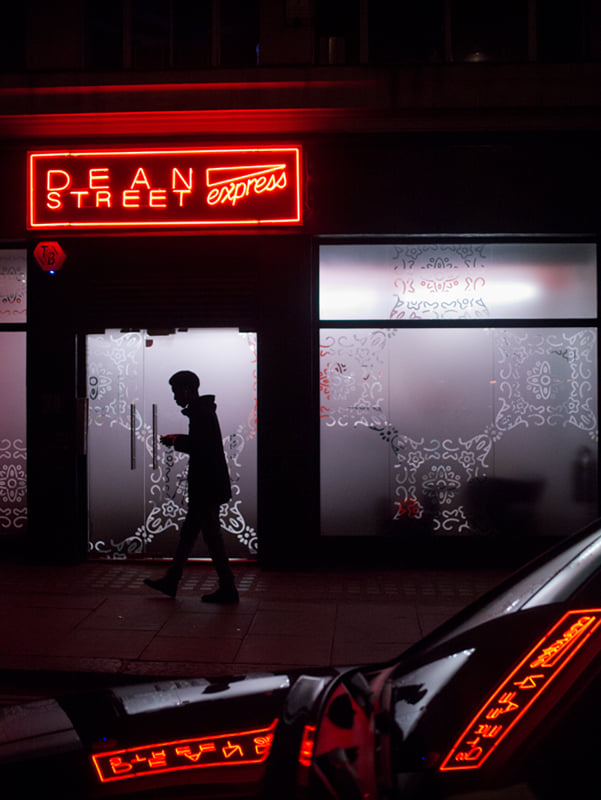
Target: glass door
{"type": "Point", "coordinates": [13, 397]}
{"type": "Point", "coordinates": [137, 488]}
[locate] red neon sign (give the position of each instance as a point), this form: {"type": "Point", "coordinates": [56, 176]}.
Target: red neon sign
{"type": "Point", "coordinates": [224, 750]}
{"type": "Point", "coordinates": [165, 188]}
{"type": "Point", "coordinates": [521, 689]}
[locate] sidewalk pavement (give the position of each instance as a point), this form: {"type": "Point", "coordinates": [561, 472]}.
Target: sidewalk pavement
{"type": "Point", "coordinates": [98, 618]}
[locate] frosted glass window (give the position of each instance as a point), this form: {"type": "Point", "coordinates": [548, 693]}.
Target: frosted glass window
{"type": "Point", "coordinates": [13, 449]}
{"type": "Point", "coordinates": [458, 431]}
{"type": "Point", "coordinates": [13, 286]}
{"type": "Point", "coordinates": [457, 281]}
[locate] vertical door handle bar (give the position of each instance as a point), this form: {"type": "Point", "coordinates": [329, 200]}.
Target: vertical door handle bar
{"type": "Point", "coordinates": [132, 435]}
{"type": "Point", "coordinates": [154, 436]}
{"type": "Point", "coordinates": [83, 407]}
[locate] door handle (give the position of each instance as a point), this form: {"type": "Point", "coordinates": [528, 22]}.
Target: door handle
{"type": "Point", "coordinates": [154, 436]}
{"type": "Point", "coordinates": [83, 406]}
{"type": "Point", "coordinates": [132, 436]}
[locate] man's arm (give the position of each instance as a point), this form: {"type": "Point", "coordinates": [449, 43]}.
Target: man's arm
{"type": "Point", "coordinates": [179, 441]}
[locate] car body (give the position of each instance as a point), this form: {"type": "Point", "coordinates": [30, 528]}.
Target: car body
{"type": "Point", "coordinates": [499, 702]}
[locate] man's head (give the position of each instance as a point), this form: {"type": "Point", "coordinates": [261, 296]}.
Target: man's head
{"type": "Point", "coordinates": [184, 386]}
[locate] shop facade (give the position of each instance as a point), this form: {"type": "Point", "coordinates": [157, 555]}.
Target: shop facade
{"type": "Point", "coordinates": [401, 334]}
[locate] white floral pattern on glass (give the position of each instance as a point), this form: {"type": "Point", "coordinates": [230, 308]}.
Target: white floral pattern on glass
{"type": "Point", "coordinates": [538, 385]}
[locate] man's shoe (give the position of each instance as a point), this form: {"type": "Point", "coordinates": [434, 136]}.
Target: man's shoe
{"type": "Point", "coordinates": [164, 585]}
{"type": "Point", "coordinates": [222, 595]}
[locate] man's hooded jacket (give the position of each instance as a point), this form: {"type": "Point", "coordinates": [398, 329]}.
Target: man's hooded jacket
{"type": "Point", "coordinates": [208, 476]}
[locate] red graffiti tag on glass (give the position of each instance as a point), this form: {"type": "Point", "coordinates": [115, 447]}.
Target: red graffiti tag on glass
{"type": "Point", "coordinates": [165, 188]}
{"type": "Point", "coordinates": [522, 688]}
{"type": "Point", "coordinates": [223, 750]}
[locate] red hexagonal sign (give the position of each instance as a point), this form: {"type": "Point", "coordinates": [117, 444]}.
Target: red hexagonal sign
{"type": "Point", "coordinates": [49, 255]}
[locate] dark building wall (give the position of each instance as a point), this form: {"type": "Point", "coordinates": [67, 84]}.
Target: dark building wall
{"type": "Point", "coordinates": [490, 183]}
{"type": "Point", "coordinates": [13, 180]}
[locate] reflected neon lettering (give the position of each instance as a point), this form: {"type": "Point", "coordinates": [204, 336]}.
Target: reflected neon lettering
{"type": "Point", "coordinates": [119, 766]}
{"type": "Point", "coordinates": [222, 750]}
{"type": "Point", "coordinates": [232, 750]}
{"type": "Point", "coordinates": [202, 748]}
{"type": "Point", "coordinates": [523, 687]}
{"type": "Point", "coordinates": [529, 682]}
{"type": "Point", "coordinates": [505, 705]}
{"type": "Point", "coordinates": [473, 753]}
{"type": "Point", "coordinates": [489, 731]}
{"type": "Point", "coordinates": [551, 654]}
{"type": "Point", "coordinates": [262, 744]}
{"type": "Point", "coordinates": [307, 747]}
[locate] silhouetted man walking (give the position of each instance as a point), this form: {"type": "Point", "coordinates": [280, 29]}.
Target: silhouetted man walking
{"type": "Point", "coordinates": [208, 488]}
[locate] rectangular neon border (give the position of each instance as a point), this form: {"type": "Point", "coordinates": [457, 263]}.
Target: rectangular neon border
{"type": "Point", "coordinates": [545, 645]}
{"type": "Point", "coordinates": [98, 758]}
{"type": "Point", "coordinates": [296, 220]}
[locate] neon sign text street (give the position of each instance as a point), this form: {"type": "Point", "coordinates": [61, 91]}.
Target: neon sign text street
{"type": "Point", "coordinates": [165, 188]}
{"type": "Point", "coordinates": [522, 688]}
{"type": "Point", "coordinates": [228, 749]}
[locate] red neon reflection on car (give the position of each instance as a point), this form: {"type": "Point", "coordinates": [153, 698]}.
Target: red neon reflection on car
{"type": "Point", "coordinates": [521, 689]}
{"type": "Point", "coordinates": [225, 749]}
{"type": "Point", "coordinates": [307, 747]}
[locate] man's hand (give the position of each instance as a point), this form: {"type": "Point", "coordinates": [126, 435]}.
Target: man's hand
{"type": "Point", "coordinates": [169, 439]}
